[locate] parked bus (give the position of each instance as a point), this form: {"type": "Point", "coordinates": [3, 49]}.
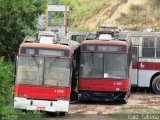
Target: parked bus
{"type": "Point", "coordinates": [105, 67]}
{"type": "Point", "coordinates": [146, 60]}
{"type": "Point", "coordinates": [43, 73]}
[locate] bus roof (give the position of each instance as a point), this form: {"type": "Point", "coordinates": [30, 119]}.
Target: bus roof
{"type": "Point", "coordinates": [143, 34]}
{"type": "Point", "coordinates": [113, 42]}
{"type": "Point", "coordinates": [42, 45]}
{"type": "Point", "coordinates": [122, 36]}
{"type": "Point", "coordinates": [48, 39]}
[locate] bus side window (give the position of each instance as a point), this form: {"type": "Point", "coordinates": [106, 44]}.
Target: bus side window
{"type": "Point", "coordinates": [134, 55]}
{"type": "Point", "coordinates": [148, 47]}
{"type": "Point", "coordinates": [158, 48]}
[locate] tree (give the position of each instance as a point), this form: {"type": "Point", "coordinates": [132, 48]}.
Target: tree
{"type": "Point", "coordinates": [17, 19]}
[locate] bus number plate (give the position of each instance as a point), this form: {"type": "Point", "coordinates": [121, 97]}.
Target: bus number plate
{"type": "Point", "coordinates": [59, 91]}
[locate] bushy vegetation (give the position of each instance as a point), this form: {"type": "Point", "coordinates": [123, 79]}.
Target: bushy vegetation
{"type": "Point", "coordinates": [6, 86]}
{"type": "Point", "coordinates": [18, 18]}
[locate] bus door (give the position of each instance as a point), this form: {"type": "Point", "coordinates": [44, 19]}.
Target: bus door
{"type": "Point", "coordinates": [134, 75]}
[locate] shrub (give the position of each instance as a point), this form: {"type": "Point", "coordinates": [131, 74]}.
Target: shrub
{"type": "Point", "coordinates": [6, 88]}
{"type": "Point", "coordinates": [6, 83]}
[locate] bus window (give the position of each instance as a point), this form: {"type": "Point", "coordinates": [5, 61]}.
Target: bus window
{"type": "Point", "coordinates": [115, 66]}
{"type": "Point", "coordinates": [91, 65]}
{"type": "Point", "coordinates": [29, 70]}
{"type": "Point", "coordinates": [57, 72]}
{"type": "Point", "coordinates": [158, 48]}
{"type": "Point", "coordinates": [136, 41]}
{"type": "Point", "coordinates": [134, 55]}
{"type": "Point", "coordinates": [148, 47]}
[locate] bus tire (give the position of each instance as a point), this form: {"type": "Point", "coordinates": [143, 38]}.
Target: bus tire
{"type": "Point", "coordinates": [156, 84]}
{"type": "Point", "coordinates": [62, 113]}
{"type": "Point", "coordinates": [125, 101]}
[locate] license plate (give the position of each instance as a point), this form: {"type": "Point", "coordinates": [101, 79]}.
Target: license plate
{"type": "Point", "coordinates": [40, 108]}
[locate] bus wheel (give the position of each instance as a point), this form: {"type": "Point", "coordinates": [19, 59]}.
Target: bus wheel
{"type": "Point", "coordinates": [125, 101]}
{"type": "Point", "coordinates": [61, 113]}
{"type": "Point", "coordinates": [156, 84]}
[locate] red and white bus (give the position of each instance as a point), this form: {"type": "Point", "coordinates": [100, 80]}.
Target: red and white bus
{"type": "Point", "coordinates": [146, 60]}
{"type": "Point", "coordinates": [44, 73]}
{"type": "Point", "coordinates": [105, 67]}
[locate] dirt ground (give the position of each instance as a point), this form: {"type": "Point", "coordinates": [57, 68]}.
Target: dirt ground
{"type": "Point", "coordinates": [139, 103]}
{"type": "Point", "coordinates": [147, 101]}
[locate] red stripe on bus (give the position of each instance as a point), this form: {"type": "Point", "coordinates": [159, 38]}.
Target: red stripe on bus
{"type": "Point", "coordinates": [103, 84]}
{"type": "Point", "coordinates": [42, 92]}
{"type": "Point", "coordinates": [147, 66]}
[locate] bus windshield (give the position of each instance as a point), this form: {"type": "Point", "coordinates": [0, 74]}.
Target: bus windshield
{"type": "Point", "coordinates": [43, 71]}
{"type": "Point", "coordinates": [104, 65]}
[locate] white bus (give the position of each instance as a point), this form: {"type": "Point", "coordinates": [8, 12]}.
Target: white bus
{"type": "Point", "coordinates": [146, 60]}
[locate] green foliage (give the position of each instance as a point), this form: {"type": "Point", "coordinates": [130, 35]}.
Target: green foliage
{"type": "Point", "coordinates": [9, 113]}
{"type": "Point", "coordinates": [30, 115]}
{"type": "Point", "coordinates": [57, 18]}
{"type": "Point", "coordinates": [53, 2]}
{"type": "Point", "coordinates": [7, 110]}
{"type": "Point", "coordinates": [72, 3]}
{"type": "Point", "coordinates": [17, 18]}
{"type": "Point", "coordinates": [82, 10]}
{"type": "Point", "coordinates": [6, 84]}
{"type": "Point", "coordinates": [85, 11]}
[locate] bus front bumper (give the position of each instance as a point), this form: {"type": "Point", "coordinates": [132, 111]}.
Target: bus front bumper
{"type": "Point", "coordinates": [102, 95]}
{"type": "Point", "coordinates": [43, 105]}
